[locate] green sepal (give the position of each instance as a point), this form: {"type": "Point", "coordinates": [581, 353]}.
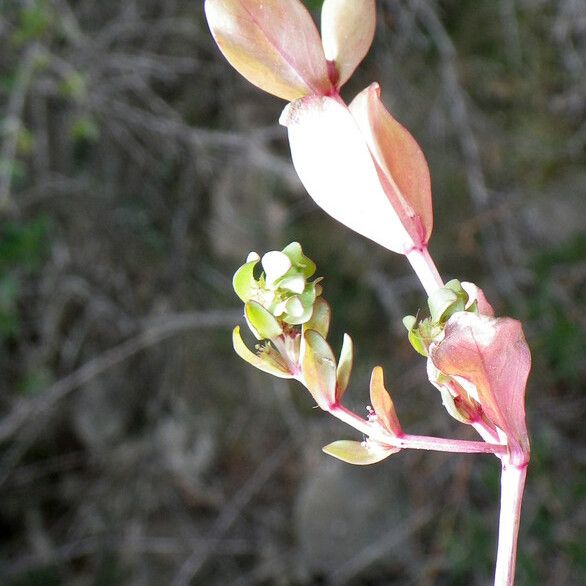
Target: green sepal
{"type": "Point", "coordinates": [446, 301]}
{"type": "Point", "coordinates": [358, 453]}
{"type": "Point", "coordinates": [439, 303]}
{"type": "Point", "coordinates": [344, 366]}
{"type": "Point", "coordinates": [299, 260]}
{"type": "Point", "coordinates": [262, 323]}
{"type": "Point", "coordinates": [244, 282]}
{"type": "Point", "coordinates": [318, 367]}
{"type": "Point", "coordinates": [306, 299]}
{"type": "Point", "coordinates": [268, 361]}
{"type": "Point", "coordinates": [320, 318]}
{"type": "Point", "coordinates": [415, 337]}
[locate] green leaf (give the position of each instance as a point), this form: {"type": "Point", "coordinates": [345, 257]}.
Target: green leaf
{"type": "Point", "coordinates": [448, 300]}
{"type": "Point", "coordinates": [261, 322]}
{"type": "Point", "coordinates": [358, 453]}
{"type": "Point", "coordinates": [244, 282]}
{"type": "Point", "coordinates": [344, 366]}
{"type": "Point", "coordinates": [267, 362]}
{"type": "Point", "coordinates": [320, 318]}
{"type": "Point", "coordinates": [318, 367]}
{"type": "Point", "coordinates": [440, 301]}
{"type": "Point", "coordinates": [415, 338]}
{"type": "Point", "coordinates": [409, 322]}
{"type": "Point", "coordinates": [299, 308]}
{"type": "Point", "coordinates": [299, 260]}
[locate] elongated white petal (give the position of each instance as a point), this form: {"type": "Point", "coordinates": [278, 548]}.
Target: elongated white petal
{"type": "Point", "coordinates": [335, 166]}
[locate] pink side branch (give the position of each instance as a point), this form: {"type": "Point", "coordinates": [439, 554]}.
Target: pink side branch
{"type": "Point", "coordinates": [512, 487]}
{"type": "Point", "coordinates": [417, 442]}
{"type": "Point", "coordinates": [425, 269]}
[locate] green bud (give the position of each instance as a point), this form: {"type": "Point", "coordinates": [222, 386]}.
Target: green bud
{"type": "Point", "coordinates": [281, 289]}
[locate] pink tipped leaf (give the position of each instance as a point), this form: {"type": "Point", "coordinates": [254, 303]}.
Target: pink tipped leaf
{"type": "Point", "coordinates": [274, 44]}
{"type": "Point", "coordinates": [335, 166]}
{"type": "Point", "coordinates": [492, 354]}
{"type": "Point", "coordinates": [400, 161]}
{"type": "Point", "coordinates": [347, 31]}
{"type": "Point", "coordinates": [383, 404]}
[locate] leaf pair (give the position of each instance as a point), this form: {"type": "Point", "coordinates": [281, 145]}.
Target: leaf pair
{"type": "Point", "coordinates": [277, 47]}
{"type": "Point", "coordinates": [324, 379]}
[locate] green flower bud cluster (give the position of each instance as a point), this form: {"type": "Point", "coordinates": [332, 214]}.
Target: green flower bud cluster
{"type": "Point", "coordinates": [285, 311]}
{"type": "Point", "coordinates": [281, 294]}
{"type": "Point", "coordinates": [443, 303]}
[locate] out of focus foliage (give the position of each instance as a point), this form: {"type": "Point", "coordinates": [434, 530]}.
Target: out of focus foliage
{"type": "Point", "coordinates": [137, 170]}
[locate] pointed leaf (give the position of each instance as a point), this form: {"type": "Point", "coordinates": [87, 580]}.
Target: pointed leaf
{"type": "Point", "coordinates": [320, 318]}
{"type": "Point", "coordinates": [244, 282]}
{"type": "Point", "coordinates": [358, 453]}
{"type": "Point", "coordinates": [492, 354]}
{"type": "Point", "coordinates": [335, 166]}
{"type": "Point", "coordinates": [382, 403]}
{"type": "Point", "coordinates": [318, 367]}
{"type": "Point", "coordinates": [272, 43]}
{"type": "Point", "coordinates": [344, 366]}
{"type": "Point", "coordinates": [263, 324]}
{"type": "Point", "coordinates": [267, 362]}
{"type": "Point", "coordinates": [347, 30]}
{"type": "Point", "coordinates": [400, 160]}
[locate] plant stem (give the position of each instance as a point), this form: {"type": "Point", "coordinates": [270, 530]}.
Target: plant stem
{"type": "Point", "coordinates": [512, 486]}
{"type": "Point", "coordinates": [425, 269]}
{"type": "Point", "coordinates": [417, 442]}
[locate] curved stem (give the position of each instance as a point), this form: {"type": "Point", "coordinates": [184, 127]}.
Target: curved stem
{"type": "Point", "coordinates": [512, 486]}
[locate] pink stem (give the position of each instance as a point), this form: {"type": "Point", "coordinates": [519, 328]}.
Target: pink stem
{"type": "Point", "coordinates": [512, 486]}
{"type": "Point", "coordinates": [425, 269]}
{"type": "Point", "coordinates": [417, 442]}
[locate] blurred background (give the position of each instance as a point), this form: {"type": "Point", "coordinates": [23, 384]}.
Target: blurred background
{"type": "Point", "coordinates": [137, 170]}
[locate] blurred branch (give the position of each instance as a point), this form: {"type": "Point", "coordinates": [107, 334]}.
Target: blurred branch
{"type": "Point", "coordinates": [164, 328]}
{"type": "Point", "coordinates": [231, 511]}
